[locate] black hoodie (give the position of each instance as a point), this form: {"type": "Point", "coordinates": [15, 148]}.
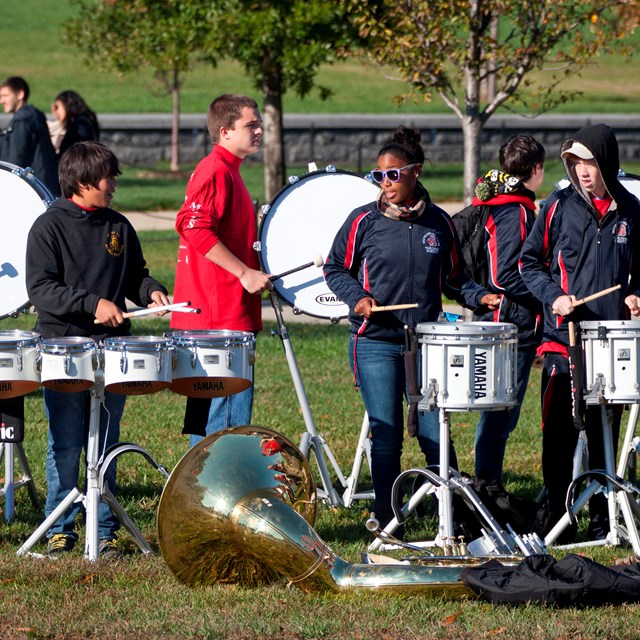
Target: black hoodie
{"type": "Point", "coordinates": [573, 250]}
{"type": "Point", "coordinates": [76, 257]}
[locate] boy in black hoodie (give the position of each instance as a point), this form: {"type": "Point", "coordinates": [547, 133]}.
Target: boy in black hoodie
{"type": "Point", "coordinates": [83, 260]}
{"type": "Point", "coordinates": [586, 239]}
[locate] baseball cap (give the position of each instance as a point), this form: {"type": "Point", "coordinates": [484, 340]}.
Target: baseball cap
{"type": "Point", "coordinates": [579, 150]}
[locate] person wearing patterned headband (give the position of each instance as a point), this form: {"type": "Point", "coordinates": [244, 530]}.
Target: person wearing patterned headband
{"type": "Point", "coordinates": [401, 248]}
{"type": "Point", "coordinates": [509, 195]}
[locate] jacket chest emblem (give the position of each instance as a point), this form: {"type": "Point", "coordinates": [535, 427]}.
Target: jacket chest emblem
{"type": "Point", "coordinates": [114, 245]}
{"type": "Point", "coordinates": [430, 242]}
{"type": "Point", "coordinates": [621, 232]}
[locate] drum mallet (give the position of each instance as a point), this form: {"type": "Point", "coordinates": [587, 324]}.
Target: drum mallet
{"type": "Point", "coordinates": [318, 261]}
{"type": "Point", "coordinates": [594, 296]}
{"type": "Point", "coordinates": [395, 307]}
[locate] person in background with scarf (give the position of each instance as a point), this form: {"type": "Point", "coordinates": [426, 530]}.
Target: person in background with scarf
{"type": "Point", "coordinates": [400, 249]}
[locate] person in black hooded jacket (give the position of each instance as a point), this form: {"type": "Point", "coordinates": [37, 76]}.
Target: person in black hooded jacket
{"type": "Point", "coordinates": [26, 141]}
{"type": "Point", "coordinates": [585, 239]}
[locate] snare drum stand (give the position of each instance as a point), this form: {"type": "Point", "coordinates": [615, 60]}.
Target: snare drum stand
{"type": "Point", "coordinates": [447, 482]}
{"type": "Point", "coordinates": [311, 439]}
{"type": "Point", "coordinates": [621, 503]}
{"type": "Point", "coordinates": [96, 487]}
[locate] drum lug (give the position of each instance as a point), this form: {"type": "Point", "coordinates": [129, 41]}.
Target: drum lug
{"type": "Point", "coordinates": [602, 332]}
{"type": "Point", "coordinates": [193, 358]}
{"type": "Point", "coordinates": [38, 362]}
{"type": "Point", "coordinates": [67, 363]}
{"type": "Point", "coordinates": [158, 361]}
{"type": "Point", "coordinates": [227, 359]}
{"type": "Point", "coordinates": [19, 360]}
{"type": "Point", "coordinates": [123, 360]}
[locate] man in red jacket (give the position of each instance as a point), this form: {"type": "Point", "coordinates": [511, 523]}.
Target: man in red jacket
{"type": "Point", "coordinates": [218, 269]}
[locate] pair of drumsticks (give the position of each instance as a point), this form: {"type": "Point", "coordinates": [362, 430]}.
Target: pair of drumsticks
{"type": "Point", "coordinates": [577, 303]}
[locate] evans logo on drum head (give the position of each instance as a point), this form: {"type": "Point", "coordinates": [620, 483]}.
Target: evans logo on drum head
{"type": "Point", "coordinates": [328, 300]}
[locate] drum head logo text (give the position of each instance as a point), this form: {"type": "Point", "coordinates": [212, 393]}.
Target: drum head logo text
{"type": "Point", "coordinates": [431, 242]}
{"type": "Point", "coordinates": [328, 300]}
{"type": "Point", "coordinates": [114, 245]}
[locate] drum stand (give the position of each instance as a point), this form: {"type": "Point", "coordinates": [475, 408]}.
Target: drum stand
{"type": "Point", "coordinates": [624, 511]}
{"type": "Point", "coordinates": [494, 541]}
{"type": "Point", "coordinates": [96, 488]}
{"type": "Point", "coordinates": [10, 450]}
{"type": "Point", "coordinates": [311, 439]}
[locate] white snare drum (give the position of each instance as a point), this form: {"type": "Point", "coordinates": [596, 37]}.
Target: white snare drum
{"type": "Point", "coordinates": [212, 364]}
{"type": "Point", "coordinates": [22, 199]}
{"type": "Point", "coordinates": [611, 361]}
{"type": "Point", "coordinates": [468, 365]}
{"type": "Point", "coordinates": [19, 372]}
{"type": "Point", "coordinates": [136, 365]}
{"type": "Point", "coordinates": [68, 363]}
{"type": "Point", "coordinates": [299, 224]}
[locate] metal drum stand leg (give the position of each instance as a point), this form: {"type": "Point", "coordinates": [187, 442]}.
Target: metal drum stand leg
{"type": "Point", "coordinates": [311, 440]}
{"type": "Point", "coordinates": [96, 488]}
{"type": "Point", "coordinates": [624, 511]}
{"type": "Point", "coordinates": [12, 451]}
{"type": "Point", "coordinates": [363, 451]}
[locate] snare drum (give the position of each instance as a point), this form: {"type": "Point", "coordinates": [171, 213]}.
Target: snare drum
{"type": "Point", "coordinates": [68, 363]}
{"type": "Point", "coordinates": [23, 199]}
{"type": "Point", "coordinates": [211, 364]}
{"type": "Point", "coordinates": [19, 372]}
{"type": "Point", "coordinates": [468, 366]}
{"type": "Point", "coordinates": [300, 223]}
{"type": "Point", "coordinates": [611, 363]}
{"type": "Point", "coordinates": [136, 365]}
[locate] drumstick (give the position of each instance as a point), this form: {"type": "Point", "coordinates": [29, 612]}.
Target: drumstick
{"type": "Point", "coordinates": [318, 261]}
{"type": "Point", "coordinates": [594, 296]}
{"type": "Point", "coordinates": [148, 310]}
{"type": "Point", "coordinates": [395, 307]}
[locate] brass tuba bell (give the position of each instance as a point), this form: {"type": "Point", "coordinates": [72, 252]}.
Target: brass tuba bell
{"type": "Point", "coordinates": [240, 507]}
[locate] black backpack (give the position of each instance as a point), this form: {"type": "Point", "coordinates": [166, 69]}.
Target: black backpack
{"type": "Point", "coordinates": [469, 224]}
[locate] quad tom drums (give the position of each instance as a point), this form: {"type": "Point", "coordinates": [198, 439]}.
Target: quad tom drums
{"type": "Point", "coordinates": [137, 365]}
{"type": "Point", "coordinates": [68, 363]}
{"type": "Point", "coordinates": [468, 366]}
{"type": "Point", "coordinates": [19, 363]}
{"type": "Point", "coordinates": [300, 223]}
{"type": "Point", "coordinates": [22, 199]}
{"type": "Point", "coordinates": [211, 364]}
{"type": "Point", "coordinates": [611, 361]}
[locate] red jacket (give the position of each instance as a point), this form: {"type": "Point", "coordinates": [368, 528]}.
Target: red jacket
{"type": "Point", "coordinates": [217, 208]}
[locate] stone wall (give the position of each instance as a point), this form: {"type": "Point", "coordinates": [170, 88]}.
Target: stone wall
{"type": "Point", "coordinates": [351, 140]}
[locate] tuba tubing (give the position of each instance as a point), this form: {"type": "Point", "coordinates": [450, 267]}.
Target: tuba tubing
{"type": "Point", "coordinates": [239, 508]}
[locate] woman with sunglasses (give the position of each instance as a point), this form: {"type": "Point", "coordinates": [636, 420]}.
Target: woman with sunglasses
{"type": "Point", "coordinates": [400, 249]}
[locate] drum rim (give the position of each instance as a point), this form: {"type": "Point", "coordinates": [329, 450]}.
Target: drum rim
{"type": "Point", "coordinates": [590, 325]}
{"type": "Point", "coordinates": [67, 343]}
{"type": "Point", "coordinates": [131, 343]}
{"type": "Point", "coordinates": [465, 329]}
{"type": "Point", "coordinates": [18, 337]}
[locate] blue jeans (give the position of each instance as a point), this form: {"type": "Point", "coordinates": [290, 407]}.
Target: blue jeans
{"type": "Point", "coordinates": [494, 427]}
{"type": "Point", "coordinates": [380, 373]}
{"type": "Point", "coordinates": [68, 415]}
{"type": "Point", "coordinates": [228, 411]}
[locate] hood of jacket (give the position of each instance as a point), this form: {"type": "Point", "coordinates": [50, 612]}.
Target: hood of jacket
{"type": "Point", "coordinates": [602, 143]}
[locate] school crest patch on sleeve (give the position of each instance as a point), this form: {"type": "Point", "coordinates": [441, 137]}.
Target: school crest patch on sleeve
{"type": "Point", "coordinates": [114, 245]}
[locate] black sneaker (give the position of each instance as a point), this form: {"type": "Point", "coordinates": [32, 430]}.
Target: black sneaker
{"type": "Point", "coordinates": [61, 543]}
{"type": "Point", "coordinates": [108, 548]}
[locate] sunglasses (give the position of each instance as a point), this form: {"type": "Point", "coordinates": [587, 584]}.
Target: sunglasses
{"type": "Point", "coordinates": [392, 174]}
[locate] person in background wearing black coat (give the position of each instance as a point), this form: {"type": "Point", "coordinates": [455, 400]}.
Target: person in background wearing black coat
{"type": "Point", "coordinates": [26, 142]}
{"type": "Point", "coordinates": [74, 121]}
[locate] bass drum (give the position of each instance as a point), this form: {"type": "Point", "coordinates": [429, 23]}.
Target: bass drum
{"type": "Point", "coordinates": [299, 224]}
{"type": "Point", "coordinates": [23, 198]}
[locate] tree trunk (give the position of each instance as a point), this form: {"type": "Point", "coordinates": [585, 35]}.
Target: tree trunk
{"type": "Point", "coordinates": [273, 148]}
{"type": "Point", "coordinates": [471, 131]}
{"type": "Point", "coordinates": [175, 123]}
